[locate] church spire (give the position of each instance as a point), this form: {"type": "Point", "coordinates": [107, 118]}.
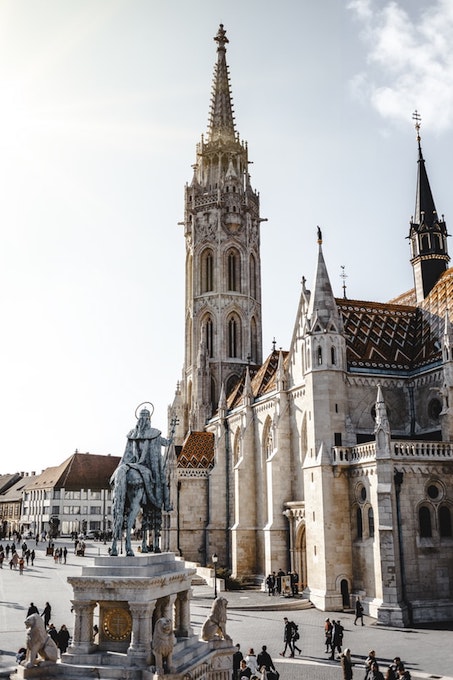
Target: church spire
{"type": "Point", "coordinates": [322, 307]}
{"type": "Point", "coordinates": [221, 118]}
{"type": "Point", "coordinates": [428, 233]}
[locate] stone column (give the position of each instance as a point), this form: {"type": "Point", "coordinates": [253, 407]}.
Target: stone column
{"type": "Point", "coordinates": [182, 614]}
{"type": "Point", "coordinates": [82, 641]}
{"type": "Point", "coordinates": [139, 652]}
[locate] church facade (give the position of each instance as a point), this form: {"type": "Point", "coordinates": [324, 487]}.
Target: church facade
{"type": "Point", "coordinates": [333, 458]}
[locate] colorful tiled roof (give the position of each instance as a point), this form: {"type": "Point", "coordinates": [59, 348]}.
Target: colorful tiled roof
{"type": "Point", "coordinates": [263, 379]}
{"type": "Point", "coordinates": [197, 451]}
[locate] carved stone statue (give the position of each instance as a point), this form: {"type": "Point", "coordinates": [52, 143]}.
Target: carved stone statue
{"type": "Point", "coordinates": [140, 481]}
{"type": "Point", "coordinates": [214, 628]}
{"type": "Point", "coordinates": [163, 642]}
{"type": "Point", "coordinates": [39, 643]}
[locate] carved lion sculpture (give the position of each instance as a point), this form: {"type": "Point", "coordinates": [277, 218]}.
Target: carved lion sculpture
{"type": "Point", "coordinates": [163, 645]}
{"type": "Point", "coordinates": [214, 628]}
{"type": "Point", "coordinates": [38, 642]}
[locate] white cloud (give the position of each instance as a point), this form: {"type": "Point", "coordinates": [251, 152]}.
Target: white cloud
{"type": "Point", "coordinates": [409, 60]}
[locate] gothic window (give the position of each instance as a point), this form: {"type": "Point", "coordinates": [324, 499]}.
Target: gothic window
{"type": "Point", "coordinates": [359, 523]}
{"type": "Point", "coordinates": [333, 357]}
{"type": "Point", "coordinates": [234, 337]}
{"type": "Point", "coordinates": [209, 336]}
{"type": "Point", "coordinates": [370, 522]}
{"type": "Point", "coordinates": [207, 271]}
{"type": "Point", "coordinates": [253, 341]}
{"type": "Point", "coordinates": [424, 521]}
{"type": "Point", "coordinates": [319, 356]}
{"type": "Point", "coordinates": [445, 522]}
{"type": "Point", "coordinates": [252, 284]}
{"type": "Point", "coordinates": [237, 447]}
{"type": "Point", "coordinates": [233, 270]}
{"type": "Point", "coordinates": [214, 399]}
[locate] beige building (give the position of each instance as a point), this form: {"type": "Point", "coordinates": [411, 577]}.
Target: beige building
{"type": "Point", "coordinates": [333, 458]}
{"type": "Point", "coordinates": [72, 497]}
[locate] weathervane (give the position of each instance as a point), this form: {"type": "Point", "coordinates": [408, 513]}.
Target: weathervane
{"type": "Point", "coordinates": [344, 277]}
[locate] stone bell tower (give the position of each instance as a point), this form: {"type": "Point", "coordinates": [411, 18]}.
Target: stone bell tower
{"type": "Point", "coordinates": [223, 271]}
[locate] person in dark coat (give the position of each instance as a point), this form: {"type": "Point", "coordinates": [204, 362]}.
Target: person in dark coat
{"type": "Point", "coordinates": [63, 639]}
{"type": "Point", "coordinates": [53, 633]}
{"type": "Point", "coordinates": [32, 609]}
{"type": "Point", "coordinates": [288, 637]}
{"type": "Point", "coordinates": [358, 612]}
{"type": "Point", "coordinates": [264, 659]}
{"type": "Point", "coordinates": [337, 639]}
{"type": "Point", "coordinates": [237, 658]}
{"type": "Point", "coordinates": [46, 612]}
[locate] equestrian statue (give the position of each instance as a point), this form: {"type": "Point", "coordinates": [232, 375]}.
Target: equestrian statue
{"type": "Point", "coordinates": [140, 482]}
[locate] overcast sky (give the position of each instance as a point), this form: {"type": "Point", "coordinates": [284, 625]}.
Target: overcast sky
{"type": "Point", "coordinates": [101, 105]}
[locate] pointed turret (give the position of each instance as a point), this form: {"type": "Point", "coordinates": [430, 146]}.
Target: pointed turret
{"type": "Point", "coordinates": [322, 307]}
{"type": "Point", "coordinates": [428, 233]}
{"type": "Point", "coordinates": [382, 427]}
{"type": "Point", "coordinates": [221, 118]}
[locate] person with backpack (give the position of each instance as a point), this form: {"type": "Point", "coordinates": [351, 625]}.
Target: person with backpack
{"type": "Point", "coordinates": [296, 637]}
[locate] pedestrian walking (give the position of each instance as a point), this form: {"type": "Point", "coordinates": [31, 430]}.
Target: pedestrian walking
{"type": "Point", "coordinates": [32, 557]}
{"type": "Point", "coordinates": [288, 637]}
{"type": "Point", "coordinates": [63, 639]}
{"type": "Point", "coordinates": [358, 612]}
{"type": "Point", "coordinates": [337, 638]}
{"type": "Point", "coordinates": [328, 635]}
{"type": "Point", "coordinates": [65, 554]}
{"type": "Point", "coordinates": [46, 612]}
{"type": "Point", "coordinates": [346, 664]}
{"type": "Point", "coordinates": [296, 637]}
{"type": "Point", "coordinates": [53, 633]}
{"type": "Point", "coordinates": [21, 565]}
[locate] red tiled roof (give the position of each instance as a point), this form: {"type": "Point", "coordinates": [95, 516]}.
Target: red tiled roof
{"type": "Point", "coordinates": [79, 471]}
{"type": "Point", "coordinates": [197, 451]}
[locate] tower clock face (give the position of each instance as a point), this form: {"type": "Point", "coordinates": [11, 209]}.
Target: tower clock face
{"type": "Point", "coordinates": [117, 624]}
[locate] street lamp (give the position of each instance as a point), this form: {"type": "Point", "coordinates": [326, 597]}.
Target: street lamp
{"type": "Point", "coordinates": [215, 560]}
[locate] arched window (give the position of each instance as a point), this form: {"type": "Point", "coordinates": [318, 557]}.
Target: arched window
{"type": "Point", "coordinates": [214, 400]}
{"type": "Point", "coordinates": [252, 284]}
{"type": "Point", "coordinates": [268, 440]}
{"type": "Point", "coordinates": [424, 521]}
{"type": "Point", "coordinates": [445, 521]}
{"type": "Point", "coordinates": [319, 356]}
{"type": "Point", "coordinates": [237, 446]}
{"type": "Point", "coordinates": [370, 522]}
{"type": "Point", "coordinates": [207, 271]}
{"type": "Point", "coordinates": [359, 523]}
{"type": "Point", "coordinates": [253, 341]}
{"type": "Point", "coordinates": [234, 337]}
{"type": "Point", "coordinates": [333, 357]}
{"type": "Point", "coordinates": [209, 336]}
{"type": "Point", "coordinates": [233, 270]}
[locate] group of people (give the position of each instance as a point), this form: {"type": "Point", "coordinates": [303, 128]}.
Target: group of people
{"type": "Point", "coordinates": [333, 636]}
{"type": "Point", "coordinates": [252, 666]}
{"type": "Point", "coordinates": [60, 637]}
{"type": "Point", "coordinates": [16, 560]}
{"type": "Point", "coordinates": [395, 671]}
{"type": "Point", "coordinates": [282, 583]}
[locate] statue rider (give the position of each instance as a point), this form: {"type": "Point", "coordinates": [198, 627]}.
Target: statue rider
{"type": "Point", "coordinates": [143, 454]}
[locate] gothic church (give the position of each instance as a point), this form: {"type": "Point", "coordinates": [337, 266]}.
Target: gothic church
{"type": "Point", "coordinates": [333, 458]}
